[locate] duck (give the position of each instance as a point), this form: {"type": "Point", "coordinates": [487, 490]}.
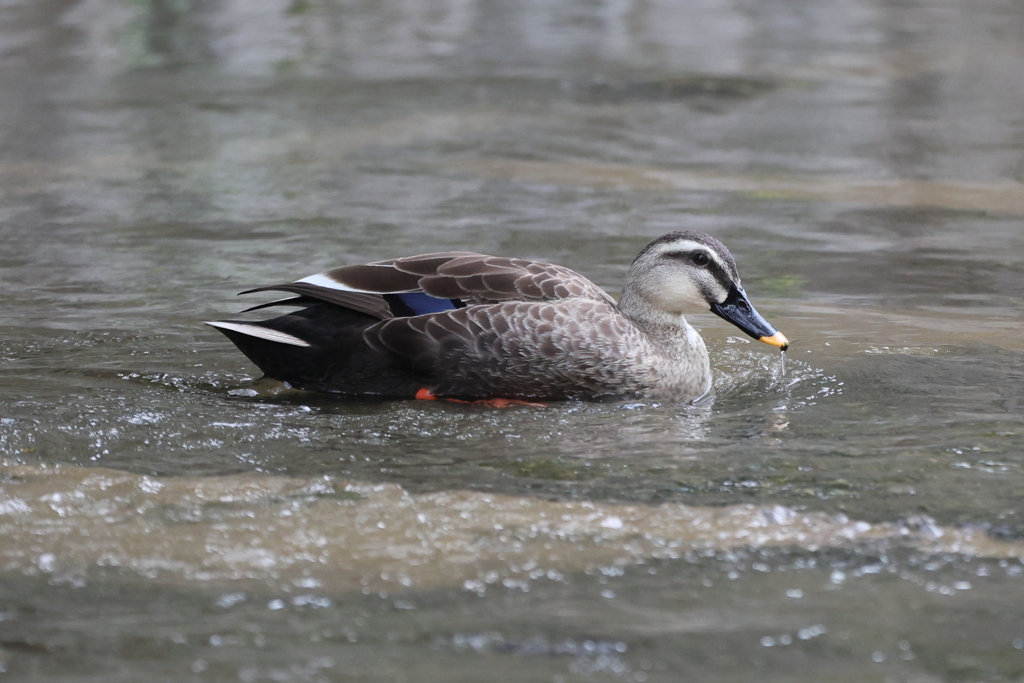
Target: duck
{"type": "Point", "coordinates": [464, 326]}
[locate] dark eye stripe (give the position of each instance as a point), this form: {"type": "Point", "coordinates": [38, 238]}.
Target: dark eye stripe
{"type": "Point", "coordinates": [714, 266]}
{"type": "Point", "coordinates": [721, 275]}
{"type": "Point", "coordinates": [689, 255]}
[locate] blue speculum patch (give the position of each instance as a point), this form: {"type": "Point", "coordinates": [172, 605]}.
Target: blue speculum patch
{"type": "Point", "coordinates": [418, 303]}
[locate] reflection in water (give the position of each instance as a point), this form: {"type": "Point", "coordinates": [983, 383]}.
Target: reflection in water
{"type": "Point", "coordinates": [999, 196]}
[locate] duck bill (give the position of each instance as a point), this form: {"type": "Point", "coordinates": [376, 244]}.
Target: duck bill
{"type": "Point", "coordinates": [737, 309]}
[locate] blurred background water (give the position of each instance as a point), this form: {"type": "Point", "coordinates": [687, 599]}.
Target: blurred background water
{"type": "Point", "coordinates": [857, 518]}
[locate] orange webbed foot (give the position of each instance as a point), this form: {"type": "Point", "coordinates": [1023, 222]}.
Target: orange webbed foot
{"type": "Point", "coordinates": [425, 394]}
{"type": "Point", "coordinates": [507, 402]}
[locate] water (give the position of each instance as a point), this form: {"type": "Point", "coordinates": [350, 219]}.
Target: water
{"type": "Point", "coordinates": [857, 517]}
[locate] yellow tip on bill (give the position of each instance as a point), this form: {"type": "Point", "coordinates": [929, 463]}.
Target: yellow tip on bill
{"type": "Point", "coordinates": [777, 339]}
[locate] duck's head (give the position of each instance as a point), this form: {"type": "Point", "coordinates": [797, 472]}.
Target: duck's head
{"type": "Point", "coordinates": [686, 271]}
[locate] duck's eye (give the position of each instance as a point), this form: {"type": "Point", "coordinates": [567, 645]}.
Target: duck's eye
{"type": "Point", "coordinates": [700, 259]}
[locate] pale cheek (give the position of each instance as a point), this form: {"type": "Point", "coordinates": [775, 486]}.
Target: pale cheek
{"type": "Point", "coordinates": [679, 297]}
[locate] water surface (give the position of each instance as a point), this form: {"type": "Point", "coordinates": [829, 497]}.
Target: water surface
{"type": "Point", "coordinates": [857, 517]}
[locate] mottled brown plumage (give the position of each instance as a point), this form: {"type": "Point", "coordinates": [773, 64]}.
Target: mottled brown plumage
{"type": "Point", "coordinates": [474, 326]}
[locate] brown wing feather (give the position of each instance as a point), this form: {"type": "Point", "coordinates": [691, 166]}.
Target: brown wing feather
{"type": "Point", "coordinates": [371, 304]}
{"type": "Point", "coordinates": [472, 278]}
{"type": "Point", "coordinates": [290, 301]}
{"type": "Point", "coordinates": [478, 278]}
{"type": "Point", "coordinates": [476, 264]}
{"type": "Point", "coordinates": [381, 278]}
{"type": "Point", "coordinates": [427, 264]}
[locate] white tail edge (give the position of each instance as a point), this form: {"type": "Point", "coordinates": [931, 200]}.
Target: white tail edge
{"type": "Point", "coordinates": [259, 332]}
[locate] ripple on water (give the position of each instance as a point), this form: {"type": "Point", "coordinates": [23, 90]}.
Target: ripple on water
{"type": "Point", "coordinates": [744, 377]}
{"type": "Point", "coordinates": [348, 536]}
{"type": "Point", "coordinates": [175, 423]}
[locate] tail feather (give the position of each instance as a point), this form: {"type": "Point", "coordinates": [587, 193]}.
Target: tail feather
{"type": "Point", "coordinates": [257, 330]}
{"type": "Point", "coordinates": [320, 348]}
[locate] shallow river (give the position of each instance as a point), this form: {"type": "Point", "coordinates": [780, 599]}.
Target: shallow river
{"type": "Point", "coordinates": [858, 517]}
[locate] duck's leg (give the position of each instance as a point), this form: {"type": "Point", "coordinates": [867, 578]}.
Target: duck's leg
{"type": "Point", "coordinates": [425, 394]}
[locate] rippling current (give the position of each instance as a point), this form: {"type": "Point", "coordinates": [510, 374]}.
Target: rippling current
{"type": "Point", "coordinates": [165, 514]}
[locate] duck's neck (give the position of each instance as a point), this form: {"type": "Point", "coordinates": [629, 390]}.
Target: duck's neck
{"type": "Point", "coordinates": [677, 352]}
{"type": "Point", "coordinates": [668, 330]}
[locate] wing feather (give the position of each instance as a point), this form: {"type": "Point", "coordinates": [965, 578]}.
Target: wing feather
{"type": "Point", "coordinates": [462, 277]}
{"type": "Point", "coordinates": [287, 301]}
{"type": "Point", "coordinates": [370, 304]}
{"type": "Point", "coordinates": [377, 278]}
{"type": "Point", "coordinates": [427, 264]}
{"type": "Point", "coordinates": [444, 288]}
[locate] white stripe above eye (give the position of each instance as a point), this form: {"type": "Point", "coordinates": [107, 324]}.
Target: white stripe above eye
{"type": "Point", "coordinates": [259, 332]}
{"type": "Point", "coordinates": [690, 245]}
